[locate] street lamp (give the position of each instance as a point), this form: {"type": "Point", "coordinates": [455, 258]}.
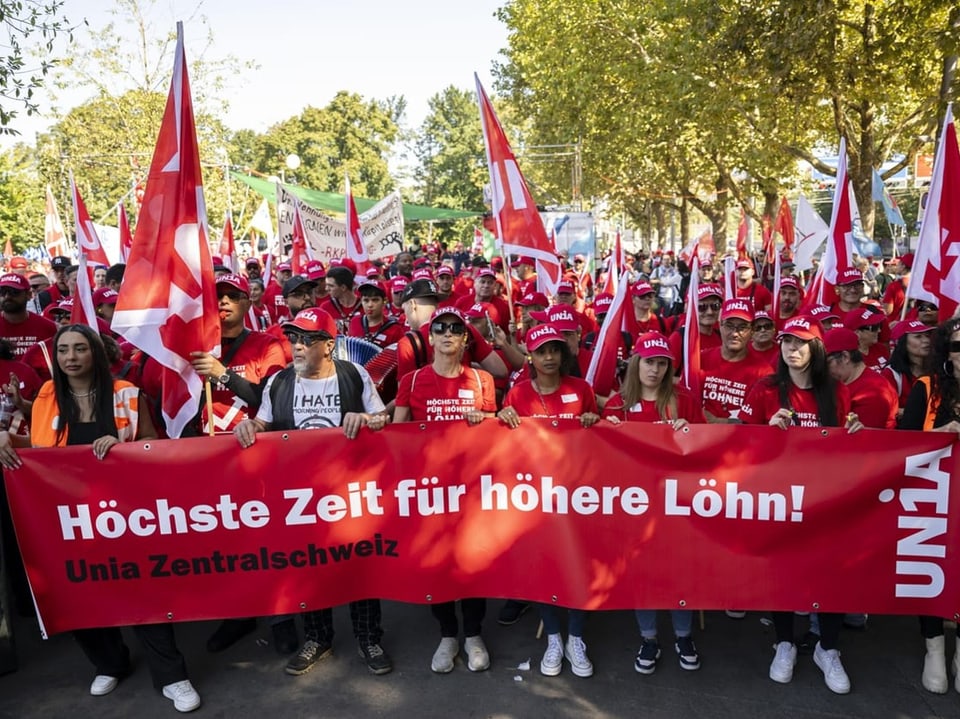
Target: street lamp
{"type": "Point", "coordinates": [292, 162]}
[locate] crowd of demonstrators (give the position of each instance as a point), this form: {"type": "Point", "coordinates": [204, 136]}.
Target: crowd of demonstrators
{"type": "Point", "coordinates": [466, 348]}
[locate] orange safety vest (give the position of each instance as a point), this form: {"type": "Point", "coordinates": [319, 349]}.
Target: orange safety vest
{"type": "Point", "coordinates": [932, 405]}
{"type": "Point", "coordinates": [46, 414]}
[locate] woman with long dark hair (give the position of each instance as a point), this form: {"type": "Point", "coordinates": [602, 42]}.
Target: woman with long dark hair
{"type": "Point", "coordinates": [802, 393]}
{"type": "Point", "coordinates": [83, 405]}
{"type": "Point", "coordinates": [908, 361]}
{"type": "Point", "coordinates": [934, 406]}
{"type": "Point", "coordinates": [648, 394]}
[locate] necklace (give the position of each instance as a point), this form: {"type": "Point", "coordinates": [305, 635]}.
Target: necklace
{"type": "Point", "coordinates": [92, 391]}
{"type": "Point", "coordinates": [536, 386]}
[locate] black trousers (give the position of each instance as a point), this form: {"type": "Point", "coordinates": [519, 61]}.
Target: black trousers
{"type": "Point", "coordinates": [105, 649]}
{"type": "Point", "coordinates": [364, 615]}
{"type": "Point", "coordinates": [473, 611]}
{"type": "Point", "coordinates": [830, 624]}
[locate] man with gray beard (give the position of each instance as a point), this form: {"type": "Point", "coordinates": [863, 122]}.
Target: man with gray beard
{"type": "Point", "coordinates": [319, 392]}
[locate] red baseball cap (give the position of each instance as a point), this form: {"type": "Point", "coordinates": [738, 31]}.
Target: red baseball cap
{"type": "Point", "coordinates": [17, 282]}
{"type": "Point", "coordinates": [652, 344]}
{"type": "Point", "coordinates": [237, 282]}
{"type": "Point", "coordinates": [314, 321]}
{"type": "Point", "coordinates": [744, 264]}
{"type": "Point", "coordinates": [372, 272]}
{"type": "Point", "coordinates": [398, 283]}
{"type": "Point", "coordinates": [849, 276]}
{"type": "Point", "coordinates": [566, 288]}
{"type": "Point", "coordinates": [479, 310]}
{"type": "Point", "coordinates": [540, 335]}
{"type": "Point", "coordinates": [642, 288]}
{"type": "Point", "coordinates": [424, 273]}
{"type": "Point", "coordinates": [284, 267]}
{"type": "Point", "coordinates": [486, 272]}
{"type": "Point", "coordinates": [602, 304]}
{"type": "Point", "coordinates": [737, 309]}
{"type": "Point", "coordinates": [441, 311]}
{"type": "Point", "coordinates": [840, 339]}
{"type": "Point", "coordinates": [907, 260]}
{"type": "Point", "coordinates": [106, 296]}
{"type": "Point", "coordinates": [909, 327]}
{"type": "Point", "coordinates": [365, 287]}
{"type": "Point", "coordinates": [858, 319]}
{"type": "Point", "coordinates": [711, 290]}
{"type": "Point", "coordinates": [444, 270]}
{"type": "Point", "coordinates": [823, 312]}
{"type": "Point", "coordinates": [560, 316]}
{"type": "Point", "coordinates": [533, 298]}
{"type": "Point", "coordinates": [315, 270]}
{"type": "Point", "coordinates": [19, 263]}
{"type": "Point", "coordinates": [789, 282]}
{"type": "Point", "coordinates": [805, 328]}
{"type": "Point", "coordinates": [522, 261]}
{"type": "Point", "coordinates": [762, 315]}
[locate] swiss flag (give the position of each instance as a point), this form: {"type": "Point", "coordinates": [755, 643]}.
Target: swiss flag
{"type": "Point", "coordinates": [838, 255]}
{"type": "Point", "coordinates": [168, 301]}
{"type": "Point", "coordinates": [356, 247]}
{"type": "Point", "coordinates": [126, 239]}
{"type": "Point", "coordinates": [936, 266]}
{"type": "Point", "coordinates": [91, 250]}
{"type": "Point", "coordinates": [228, 250]}
{"type": "Point", "coordinates": [519, 225]}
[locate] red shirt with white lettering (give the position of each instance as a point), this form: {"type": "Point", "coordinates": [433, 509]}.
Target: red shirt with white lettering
{"type": "Point", "coordinates": [24, 335]}
{"type": "Point", "coordinates": [478, 349]}
{"type": "Point", "coordinates": [725, 384]}
{"type": "Point", "coordinates": [688, 408]}
{"type": "Point", "coordinates": [433, 398]}
{"type": "Point", "coordinates": [571, 399]}
{"type": "Point", "coordinates": [763, 401]}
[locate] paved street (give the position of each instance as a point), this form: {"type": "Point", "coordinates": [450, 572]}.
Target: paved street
{"type": "Point", "coordinates": [884, 664]}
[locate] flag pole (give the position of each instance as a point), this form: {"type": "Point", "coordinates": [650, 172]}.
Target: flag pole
{"type": "Point", "coordinates": [209, 394]}
{"type": "Point", "coordinates": [509, 282]}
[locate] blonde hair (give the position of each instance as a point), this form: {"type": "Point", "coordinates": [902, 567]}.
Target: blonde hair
{"type": "Point", "coordinates": [632, 391]}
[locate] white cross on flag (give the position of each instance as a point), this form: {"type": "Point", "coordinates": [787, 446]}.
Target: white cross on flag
{"type": "Point", "coordinates": [935, 276]}
{"type": "Point", "coordinates": [168, 301]}
{"type": "Point", "coordinates": [519, 225]}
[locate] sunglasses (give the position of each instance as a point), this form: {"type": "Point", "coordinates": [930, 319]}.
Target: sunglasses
{"type": "Point", "coordinates": [455, 328]}
{"type": "Point", "coordinates": [10, 291]}
{"type": "Point", "coordinates": [871, 328]}
{"type": "Point", "coordinates": [953, 346]}
{"type": "Point", "coordinates": [926, 307]}
{"type": "Point", "coordinates": [296, 338]}
{"type": "Point", "coordinates": [764, 327]}
{"type": "Point", "coordinates": [708, 306]}
{"type": "Point", "coordinates": [233, 295]}
{"type": "Point", "coordinates": [737, 329]}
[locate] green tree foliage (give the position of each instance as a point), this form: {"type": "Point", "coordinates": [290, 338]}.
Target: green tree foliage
{"type": "Point", "coordinates": [714, 100]}
{"type": "Point", "coordinates": [23, 22]}
{"type": "Point", "coordinates": [21, 198]}
{"type": "Point", "coordinates": [451, 167]}
{"type": "Point", "coordinates": [349, 135]}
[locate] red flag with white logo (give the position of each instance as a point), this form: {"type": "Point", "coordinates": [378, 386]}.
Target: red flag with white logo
{"type": "Point", "coordinates": [228, 250]}
{"type": "Point", "coordinates": [356, 247]}
{"type": "Point", "coordinates": [168, 301]}
{"type": "Point", "coordinates": [91, 253]}
{"type": "Point", "coordinates": [602, 372]}
{"type": "Point", "coordinates": [126, 239]}
{"type": "Point", "coordinates": [936, 266]}
{"type": "Point", "coordinates": [519, 225]}
{"type": "Point", "coordinates": [299, 249]}
{"type": "Point", "coordinates": [838, 255]}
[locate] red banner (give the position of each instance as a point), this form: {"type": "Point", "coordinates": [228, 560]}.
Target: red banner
{"type": "Point", "coordinates": [601, 518]}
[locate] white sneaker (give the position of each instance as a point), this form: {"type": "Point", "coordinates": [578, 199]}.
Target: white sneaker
{"type": "Point", "coordinates": [781, 668]}
{"type": "Point", "coordinates": [103, 684]}
{"type": "Point", "coordinates": [956, 670]}
{"type": "Point", "coordinates": [735, 613]}
{"type": "Point", "coordinates": [834, 674]}
{"type": "Point", "coordinates": [478, 659]}
{"type": "Point", "coordinates": [934, 678]}
{"type": "Point", "coordinates": [183, 695]}
{"type": "Point", "coordinates": [576, 653]}
{"type": "Point", "coordinates": [445, 655]}
{"type": "Point", "coordinates": [552, 662]}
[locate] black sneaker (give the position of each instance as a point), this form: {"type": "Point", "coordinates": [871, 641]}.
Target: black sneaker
{"type": "Point", "coordinates": [378, 661]}
{"type": "Point", "coordinates": [807, 643]}
{"type": "Point", "coordinates": [646, 662]}
{"type": "Point", "coordinates": [511, 612]}
{"type": "Point", "coordinates": [285, 639]}
{"type": "Point", "coordinates": [687, 652]}
{"type": "Point", "coordinates": [310, 653]}
{"type": "Point", "coordinates": [229, 632]}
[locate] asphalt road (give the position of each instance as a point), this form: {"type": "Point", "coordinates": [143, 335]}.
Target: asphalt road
{"type": "Point", "coordinates": [884, 663]}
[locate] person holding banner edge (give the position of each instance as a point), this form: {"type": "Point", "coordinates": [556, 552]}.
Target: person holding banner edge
{"type": "Point", "coordinates": [802, 393]}
{"type": "Point", "coordinates": [83, 404]}
{"type": "Point", "coordinates": [933, 405]}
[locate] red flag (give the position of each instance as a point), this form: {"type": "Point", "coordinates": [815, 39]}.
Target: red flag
{"type": "Point", "coordinates": [691, 331]}
{"type": "Point", "coordinates": [168, 301]}
{"type": "Point", "coordinates": [936, 267]}
{"type": "Point", "coordinates": [776, 287]}
{"type": "Point", "coordinates": [356, 247]}
{"type": "Point", "coordinates": [82, 312]}
{"type": "Point", "coordinates": [742, 252]}
{"type": "Point", "coordinates": [768, 241]}
{"type": "Point", "coordinates": [615, 264]}
{"type": "Point", "coordinates": [126, 239]}
{"type": "Point", "coordinates": [784, 225]}
{"type": "Point", "coordinates": [88, 241]}
{"type": "Point", "coordinates": [838, 254]}
{"type": "Point", "coordinates": [299, 250]}
{"type": "Point", "coordinates": [519, 225]}
{"type": "Point", "coordinates": [602, 372]}
{"type": "Point", "coordinates": [706, 248]}
{"type": "Point", "coordinates": [228, 250]}
{"type": "Point", "coordinates": [813, 291]}
{"type": "Point", "coordinates": [55, 238]}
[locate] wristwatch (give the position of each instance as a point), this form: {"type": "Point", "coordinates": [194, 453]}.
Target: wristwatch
{"type": "Point", "coordinates": [225, 377]}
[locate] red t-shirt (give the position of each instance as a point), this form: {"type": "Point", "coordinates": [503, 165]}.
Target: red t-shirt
{"type": "Point", "coordinates": [725, 384]}
{"type": "Point", "coordinates": [24, 335]}
{"type": "Point", "coordinates": [877, 356]}
{"type": "Point", "coordinates": [897, 295]}
{"type": "Point", "coordinates": [770, 356]}
{"type": "Point", "coordinates": [763, 401]}
{"type": "Point", "coordinates": [571, 399]}
{"type": "Point", "coordinates": [275, 303]}
{"type": "Point", "coordinates": [384, 334]}
{"type": "Point", "coordinates": [707, 342]}
{"type": "Point", "coordinates": [874, 400]}
{"type": "Point", "coordinates": [433, 398]}
{"type": "Point", "coordinates": [688, 408]}
{"type": "Point", "coordinates": [39, 358]}
{"type": "Point", "coordinates": [478, 349]}
{"type": "Point", "coordinates": [339, 312]}
{"type": "Point", "coordinates": [759, 295]}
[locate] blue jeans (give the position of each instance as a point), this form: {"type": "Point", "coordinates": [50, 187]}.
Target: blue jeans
{"type": "Point", "coordinates": [576, 618]}
{"type": "Point", "coordinates": [647, 621]}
